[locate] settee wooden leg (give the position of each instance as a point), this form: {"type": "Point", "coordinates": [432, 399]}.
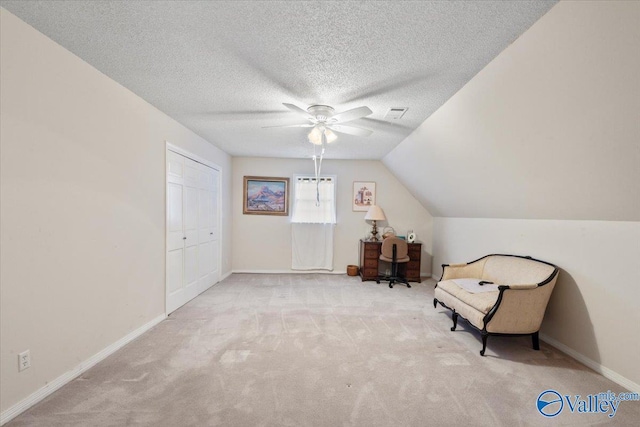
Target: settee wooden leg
{"type": "Point", "coordinates": [484, 343]}
{"type": "Point", "coordinates": [535, 341]}
{"type": "Point", "coordinates": [454, 317]}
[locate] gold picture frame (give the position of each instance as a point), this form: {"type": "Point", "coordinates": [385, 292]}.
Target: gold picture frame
{"type": "Point", "coordinates": [265, 195]}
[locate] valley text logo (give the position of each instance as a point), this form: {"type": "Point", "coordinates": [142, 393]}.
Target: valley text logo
{"type": "Point", "coordinates": [550, 403]}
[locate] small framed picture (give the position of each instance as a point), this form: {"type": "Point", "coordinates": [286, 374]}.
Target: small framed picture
{"type": "Point", "coordinates": [364, 195]}
{"type": "Point", "coordinates": [264, 195]}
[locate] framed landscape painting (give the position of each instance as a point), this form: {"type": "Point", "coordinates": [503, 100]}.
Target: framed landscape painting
{"type": "Point", "coordinates": [364, 195]}
{"type": "Point", "coordinates": [265, 195]}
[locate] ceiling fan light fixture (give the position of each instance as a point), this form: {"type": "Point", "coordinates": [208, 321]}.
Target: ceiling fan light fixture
{"type": "Point", "coordinates": [315, 136]}
{"type": "Point", "coordinates": [330, 136]}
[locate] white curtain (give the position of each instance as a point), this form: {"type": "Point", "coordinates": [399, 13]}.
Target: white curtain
{"type": "Point", "coordinates": [314, 204]}
{"type": "Point", "coordinates": [312, 246]}
{"type": "Point", "coordinates": [313, 222]}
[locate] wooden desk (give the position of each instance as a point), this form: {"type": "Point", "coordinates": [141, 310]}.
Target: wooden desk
{"type": "Point", "coordinates": [370, 256]}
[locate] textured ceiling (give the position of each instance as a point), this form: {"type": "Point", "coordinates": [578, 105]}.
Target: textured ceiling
{"type": "Point", "coordinates": [223, 69]}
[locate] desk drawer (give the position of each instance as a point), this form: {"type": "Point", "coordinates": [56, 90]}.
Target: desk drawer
{"type": "Point", "coordinates": [371, 254]}
{"type": "Point", "coordinates": [372, 263]}
{"type": "Point", "coordinates": [370, 272]}
{"type": "Point", "coordinates": [414, 252]}
{"type": "Point", "coordinates": [413, 265]}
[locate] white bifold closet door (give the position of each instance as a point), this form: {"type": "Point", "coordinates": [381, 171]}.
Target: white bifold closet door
{"type": "Point", "coordinates": [193, 232]}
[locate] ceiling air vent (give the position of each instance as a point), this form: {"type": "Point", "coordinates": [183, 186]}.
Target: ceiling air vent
{"type": "Point", "coordinates": [395, 113]}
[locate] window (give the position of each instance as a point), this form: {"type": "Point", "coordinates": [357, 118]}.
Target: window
{"type": "Point", "coordinates": [314, 201]}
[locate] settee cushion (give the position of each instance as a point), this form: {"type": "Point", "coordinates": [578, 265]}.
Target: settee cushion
{"type": "Point", "coordinates": [476, 286]}
{"type": "Point", "coordinates": [480, 301]}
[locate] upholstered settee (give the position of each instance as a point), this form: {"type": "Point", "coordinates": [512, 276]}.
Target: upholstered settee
{"type": "Point", "coordinates": [498, 294]}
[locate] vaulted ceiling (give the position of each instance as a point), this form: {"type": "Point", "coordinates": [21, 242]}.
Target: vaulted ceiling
{"type": "Point", "coordinates": [224, 68]}
{"type": "Point", "coordinates": [550, 129]}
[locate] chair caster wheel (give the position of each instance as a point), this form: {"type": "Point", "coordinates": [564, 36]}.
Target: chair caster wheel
{"type": "Point", "coordinates": [390, 285]}
{"type": "Point", "coordinates": [481, 352]}
{"type": "Point", "coordinates": [408, 285]}
{"type": "Point", "coordinates": [378, 282]}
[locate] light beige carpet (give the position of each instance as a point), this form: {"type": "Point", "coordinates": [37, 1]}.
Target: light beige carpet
{"type": "Point", "coordinates": [321, 350]}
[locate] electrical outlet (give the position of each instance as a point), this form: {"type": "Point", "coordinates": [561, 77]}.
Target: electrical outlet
{"type": "Point", "coordinates": [24, 360]}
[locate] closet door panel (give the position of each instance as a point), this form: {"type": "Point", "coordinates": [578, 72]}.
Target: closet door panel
{"type": "Point", "coordinates": [190, 210]}
{"type": "Point", "coordinates": [191, 266]}
{"type": "Point", "coordinates": [175, 165]}
{"type": "Point", "coordinates": [175, 272]}
{"type": "Point", "coordinates": [206, 255]}
{"type": "Point", "coordinates": [204, 213]}
{"type": "Point", "coordinates": [214, 227]}
{"type": "Point", "coordinates": [175, 224]}
{"type": "Point", "coordinates": [191, 257]}
{"type": "Point", "coordinates": [207, 261]}
{"type": "Point", "coordinates": [215, 255]}
{"type": "Point", "coordinates": [191, 175]}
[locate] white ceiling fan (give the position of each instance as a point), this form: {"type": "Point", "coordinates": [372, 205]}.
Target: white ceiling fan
{"type": "Point", "coordinates": [323, 121]}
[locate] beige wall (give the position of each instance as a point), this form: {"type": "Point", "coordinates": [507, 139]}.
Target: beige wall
{"type": "Point", "coordinates": [548, 131]}
{"type": "Point", "coordinates": [82, 209]}
{"type": "Point", "coordinates": [593, 308]}
{"type": "Point", "coordinates": [263, 243]}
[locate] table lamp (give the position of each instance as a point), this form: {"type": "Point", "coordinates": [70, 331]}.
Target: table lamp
{"type": "Point", "coordinates": [374, 214]}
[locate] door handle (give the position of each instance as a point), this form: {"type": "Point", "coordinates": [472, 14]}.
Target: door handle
{"type": "Point", "coordinates": [184, 238]}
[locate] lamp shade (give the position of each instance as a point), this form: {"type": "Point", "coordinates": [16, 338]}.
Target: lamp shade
{"type": "Point", "coordinates": [375, 213]}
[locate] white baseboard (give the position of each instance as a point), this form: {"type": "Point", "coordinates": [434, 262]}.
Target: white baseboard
{"type": "Point", "coordinates": [290, 271]}
{"type": "Point", "coordinates": [15, 410]}
{"type": "Point", "coordinates": [224, 276]}
{"type": "Point", "coordinates": [304, 272]}
{"type": "Point", "coordinates": [602, 370]}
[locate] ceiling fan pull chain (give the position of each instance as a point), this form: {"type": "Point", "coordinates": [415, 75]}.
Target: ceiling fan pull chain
{"type": "Point", "coordinates": [319, 167]}
{"type": "Point", "coordinates": [315, 162]}
{"type": "Point", "coordinates": [315, 167]}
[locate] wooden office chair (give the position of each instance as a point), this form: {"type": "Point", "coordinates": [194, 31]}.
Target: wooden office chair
{"type": "Point", "coordinates": [395, 251]}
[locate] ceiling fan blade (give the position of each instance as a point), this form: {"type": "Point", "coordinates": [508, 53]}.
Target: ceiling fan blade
{"type": "Point", "coordinates": [350, 130]}
{"type": "Point", "coordinates": [305, 125]}
{"type": "Point", "coordinates": [298, 110]}
{"type": "Point", "coordinates": [353, 114]}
